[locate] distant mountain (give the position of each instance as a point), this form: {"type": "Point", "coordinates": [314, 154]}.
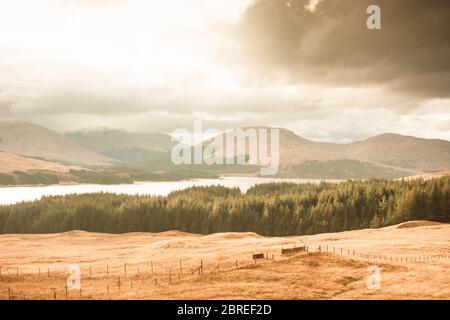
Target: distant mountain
{"type": "Point", "coordinates": [384, 156]}
{"type": "Point", "coordinates": [393, 153]}
{"type": "Point", "coordinates": [293, 148]}
{"type": "Point", "coordinates": [122, 145]}
{"type": "Point", "coordinates": [104, 139]}
{"type": "Point", "coordinates": [394, 150]}
{"type": "Point", "coordinates": [28, 139]}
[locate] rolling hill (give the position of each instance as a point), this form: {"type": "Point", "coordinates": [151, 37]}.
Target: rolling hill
{"type": "Point", "coordinates": [30, 140]}
{"type": "Point", "coordinates": [10, 163]}
{"type": "Point", "coordinates": [413, 257]}
{"type": "Point", "coordinates": [383, 156]}
{"type": "Point", "coordinates": [427, 155]}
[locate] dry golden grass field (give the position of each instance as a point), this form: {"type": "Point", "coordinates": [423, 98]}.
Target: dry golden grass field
{"type": "Point", "coordinates": [10, 163]}
{"type": "Point", "coordinates": [414, 259]}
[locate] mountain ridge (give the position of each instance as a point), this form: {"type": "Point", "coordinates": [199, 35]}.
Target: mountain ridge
{"type": "Point", "coordinates": [31, 140]}
{"type": "Point", "coordinates": [394, 152]}
{"type": "Point", "coordinates": [389, 155]}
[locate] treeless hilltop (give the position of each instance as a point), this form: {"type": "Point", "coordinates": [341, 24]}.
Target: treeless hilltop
{"type": "Point", "coordinates": [30, 140]}
{"type": "Point", "coordinates": [387, 154]}
{"type": "Point", "coordinates": [414, 261]}
{"type": "Point", "coordinates": [10, 162]}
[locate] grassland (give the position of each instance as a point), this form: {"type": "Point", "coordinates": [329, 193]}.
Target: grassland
{"type": "Point", "coordinates": [413, 257]}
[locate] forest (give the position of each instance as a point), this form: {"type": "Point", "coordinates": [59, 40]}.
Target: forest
{"type": "Point", "coordinates": [276, 209]}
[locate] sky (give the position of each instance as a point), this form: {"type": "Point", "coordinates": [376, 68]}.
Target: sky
{"type": "Point", "coordinates": [311, 66]}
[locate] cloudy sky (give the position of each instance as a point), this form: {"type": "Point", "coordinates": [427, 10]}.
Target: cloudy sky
{"type": "Point", "coordinates": [156, 65]}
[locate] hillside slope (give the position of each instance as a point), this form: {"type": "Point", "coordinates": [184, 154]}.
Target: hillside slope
{"type": "Point", "coordinates": [10, 162]}
{"type": "Point", "coordinates": [383, 156]}
{"type": "Point", "coordinates": [149, 256]}
{"type": "Point", "coordinates": [124, 146]}
{"type": "Point", "coordinates": [28, 139]}
{"type": "Point", "coordinates": [402, 151]}
{"type": "Point", "coordinates": [104, 140]}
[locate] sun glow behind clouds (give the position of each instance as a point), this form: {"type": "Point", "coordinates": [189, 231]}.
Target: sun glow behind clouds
{"type": "Point", "coordinates": [157, 65]}
{"type": "Point", "coordinates": [118, 35]}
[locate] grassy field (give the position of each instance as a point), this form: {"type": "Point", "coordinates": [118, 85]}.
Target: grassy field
{"type": "Point", "coordinates": [414, 259]}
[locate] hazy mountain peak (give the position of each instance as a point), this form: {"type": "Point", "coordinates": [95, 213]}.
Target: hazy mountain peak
{"type": "Point", "coordinates": [388, 151]}
{"type": "Point", "coordinates": [397, 137]}
{"type": "Point", "coordinates": [105, 140]}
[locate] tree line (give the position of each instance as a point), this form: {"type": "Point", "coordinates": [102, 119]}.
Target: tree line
{"type": "Point", "coordinates": [276, 209]}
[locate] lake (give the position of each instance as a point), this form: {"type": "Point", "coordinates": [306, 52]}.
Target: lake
{"type": "Point", "coordinates": [11, 195]}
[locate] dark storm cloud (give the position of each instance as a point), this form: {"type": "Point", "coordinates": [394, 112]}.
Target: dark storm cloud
{"type": "Point", "coordinates": [333, 44]}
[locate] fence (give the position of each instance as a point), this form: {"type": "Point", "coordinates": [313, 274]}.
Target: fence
{"type": "Point", "coordinates": [140, 277]}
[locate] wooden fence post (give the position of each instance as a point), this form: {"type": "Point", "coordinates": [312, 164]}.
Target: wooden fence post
{"type": "Point", "coordinates": [9, 293]}
{"type": "Point", "coordinates": [54, 294]}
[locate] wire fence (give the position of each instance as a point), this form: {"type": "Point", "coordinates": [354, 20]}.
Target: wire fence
{"type": "Point", "coordinates": [133, 279]}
